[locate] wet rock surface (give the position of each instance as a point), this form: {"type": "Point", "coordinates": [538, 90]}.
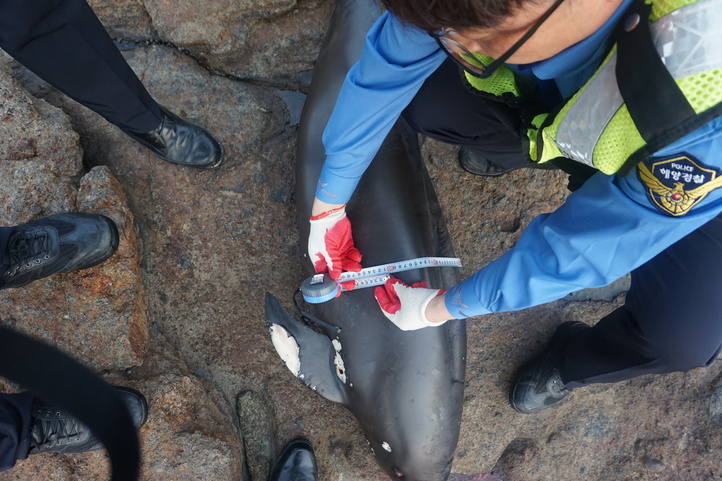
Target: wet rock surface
{"type": "Point", "coordinates": [178, 312]}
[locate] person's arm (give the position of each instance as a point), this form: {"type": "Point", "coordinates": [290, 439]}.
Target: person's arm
{"type": "Point", "coordinates": [395, 62]}
{"type": "Point", "coordinates": [602, 232]}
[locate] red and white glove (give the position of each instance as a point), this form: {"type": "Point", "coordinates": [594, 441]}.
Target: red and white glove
{"type": "Point", "coordinates": [330, 244]}
{"type": "Point", "coordinates": [405, 305]}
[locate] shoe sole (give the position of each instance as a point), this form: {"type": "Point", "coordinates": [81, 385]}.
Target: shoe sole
{"type": "Point", "coordinates": [485, 174]}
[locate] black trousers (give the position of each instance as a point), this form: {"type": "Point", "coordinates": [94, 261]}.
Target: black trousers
{"type": "Point", "coordinates": [445, 110]}
{"type": "Point", "coordinates": [64, 43]}
{"type": "Point", "coordinates": [672, 317]}
{"type": "Point", "coordinates": [14, 428]}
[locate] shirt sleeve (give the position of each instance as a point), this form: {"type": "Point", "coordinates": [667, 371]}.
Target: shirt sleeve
{"type": "Point", "coordinates": [395, 61]}
{"type": "Point", "coordinates": [603, 231]}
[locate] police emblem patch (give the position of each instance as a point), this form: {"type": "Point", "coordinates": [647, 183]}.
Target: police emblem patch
{"type": "Point", "coordinates": [677, 183]}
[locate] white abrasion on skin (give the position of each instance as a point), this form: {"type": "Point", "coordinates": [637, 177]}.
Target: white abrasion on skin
{"type": "Point", "coordinates": [338, 361]}
{"type": "Point", "coordinates": [286, 347]}
{"type": "Point", "coordinates": [386, 446]}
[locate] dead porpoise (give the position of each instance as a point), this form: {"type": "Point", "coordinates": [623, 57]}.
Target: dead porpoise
{"type": "Point", "coordinates": [405, 389]}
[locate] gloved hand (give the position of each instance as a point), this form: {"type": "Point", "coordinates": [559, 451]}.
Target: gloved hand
{"type": "Point", "coordinates": [330, 244]}
{"type": "Point", "coordinates": [405, 305]}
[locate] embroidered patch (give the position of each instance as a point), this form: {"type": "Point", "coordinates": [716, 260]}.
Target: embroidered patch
{"type": "Point", "coordinates": [678, 183]}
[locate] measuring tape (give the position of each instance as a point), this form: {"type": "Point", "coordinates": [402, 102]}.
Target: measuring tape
{"type": "Point", "coordinates": [321, 288]}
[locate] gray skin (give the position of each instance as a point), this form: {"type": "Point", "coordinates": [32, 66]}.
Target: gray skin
{"type": "Point", "coordinates": [405, 388]}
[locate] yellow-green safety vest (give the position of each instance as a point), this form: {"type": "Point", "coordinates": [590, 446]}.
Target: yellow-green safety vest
{"type": "Point", "coordinates": [594, 126]}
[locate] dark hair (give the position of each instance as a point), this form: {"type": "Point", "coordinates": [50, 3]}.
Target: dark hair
{"type": "Point", "coordinates": [431, 15]}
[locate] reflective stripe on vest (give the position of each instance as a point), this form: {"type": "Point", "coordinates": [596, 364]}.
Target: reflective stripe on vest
{"type": "Point", "coordinates": [595, 128]}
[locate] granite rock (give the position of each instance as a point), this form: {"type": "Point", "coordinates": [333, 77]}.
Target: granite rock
{"type": "Point", "coordinates": [97, 314]}
{"type": "Point", "coordinates": [189, 435]}
{"type": "Point", "coordinates": [210, 244]}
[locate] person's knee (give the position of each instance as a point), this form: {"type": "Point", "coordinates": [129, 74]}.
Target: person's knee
{"type": "Point", "coordinates": [22, 21]}
{"type": "Point", "coordinates": [419, 120]}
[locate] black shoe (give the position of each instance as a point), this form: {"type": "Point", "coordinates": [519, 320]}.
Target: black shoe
{"type": "Point", "coordinates": [296, 463]}
{"type": "Point", "coordinates": [180, 142]}
{"type": "Point", "coordinates": [57, 243]}
{"type": "Point", "coordinates": [477, 164]}
{"type": "Point", "coordinates": [539, 384]}
{"type": "Point", "coordinates": [55, 431]}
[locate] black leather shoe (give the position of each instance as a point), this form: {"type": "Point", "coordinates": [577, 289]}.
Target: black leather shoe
{"type": "Point", "coordinates": [477, 164]}
{"type": "Point", "coordinates": [57, 243]}
{"type": "Point", "coordinates": [296, 463]}
{"type": "Point", "coordinates": [55, 431]}
{"type": "Point", "coordinates": [180, 142]}
{"type": "Point", "coordinates": [539, 384]}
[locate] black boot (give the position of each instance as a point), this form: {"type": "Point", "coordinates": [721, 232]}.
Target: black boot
{"type": "Point", "coordinates": [57, 243]}
{"type": "Point", "coordinates": [296, 463]}
{"type": "Point", "coordinates": [538, 384]}
{"type": "Point", "coordinates": [477, 164]}
{"type": "Point", "coordinates": [180, 142]}
{"type": "Point", "coordinates": [55, 431]}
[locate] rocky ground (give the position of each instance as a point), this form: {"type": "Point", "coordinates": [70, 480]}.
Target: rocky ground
{"type": "Point", "coordinates": [178, 312]}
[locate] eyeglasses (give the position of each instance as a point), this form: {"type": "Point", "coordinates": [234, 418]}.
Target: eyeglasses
{"type": "Point", "coordinates": [471, 62]}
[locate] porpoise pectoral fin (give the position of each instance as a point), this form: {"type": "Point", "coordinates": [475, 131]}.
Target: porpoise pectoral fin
{"type": "Point", "coordinates": [309, 355]}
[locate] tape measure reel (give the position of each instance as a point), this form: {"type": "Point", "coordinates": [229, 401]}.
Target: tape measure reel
{"type": "Point", "coordinates": [321, 288]}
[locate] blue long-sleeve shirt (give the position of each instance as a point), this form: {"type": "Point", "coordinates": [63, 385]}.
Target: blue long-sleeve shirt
{"type": "Point", "coordinates": [603, 231]}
